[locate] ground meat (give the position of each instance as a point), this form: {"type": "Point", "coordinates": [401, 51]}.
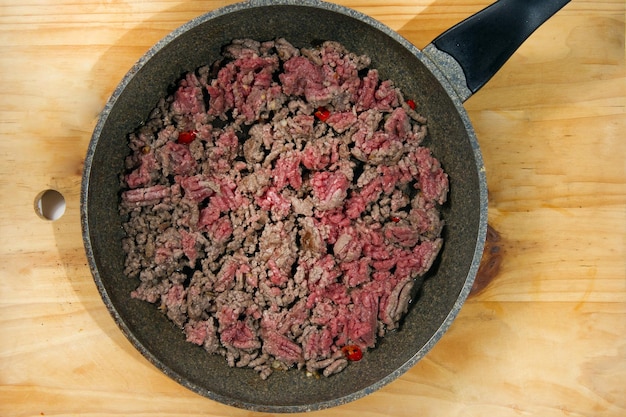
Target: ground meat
{"type": "Point", "coordinates": [294, 218]}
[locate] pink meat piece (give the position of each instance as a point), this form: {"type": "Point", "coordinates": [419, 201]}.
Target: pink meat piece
{"type": "Point", "coordinates": [379, 147]}
{"type": "Point", "coordinates": [254, 89]}
{"type": "Point", "coordinates": [426, 220]}
{"type": "Point", "coordinates": [188, 241]}
{"type": "Point", "coordinates": [329, 189]}
{"type": "Point", "coordinates": [243, 84]}
{"type": "Point", "coordinates": [280, 346]}
{"type": "Point", "coordinates": [146, 196]}
{"type": "Point", "coordinates": [378, 250]}
{"type": "Point", "coordinates": [221, 192]}
{"type": "Point", "coordinates": [142, 175]}
{"type": "Point", "coordinates": [386, 96]}
{"type": "Point", "coordinates": [300, 126]}
{"type": "Point", "coordinates": [240, 335]}
{"type": "Point", "coordinates": [176, 159]}
{"type": "Point", "coordinates": [403, 234]}
{"type": "Point", "coordinates": [274, 201]}
{"type": "Point", "coordinates": [341, 77]}
{"type": "Point", "coordinates": [251, 63]}
{"type": "Point", "coordinates": [355, 206]}
{"type": "Point", "coordinates": [222, 98]}
{"type": "Point", "coordinates": [331, 223]}
{"type": "Point", "coordinates": [202, 333]}
{"type": "Point", "coordinates": [220, 230]}
{"type": "Point", "coordinates": [253, 104]}
{"type": "Point", "coordinates": [426, 252]}
{"type": "Point", "coordinates": [371, 191]}
{"type": "Point", "coordinates": [390, 178]}
{"type": "Point", "coordinates": [169, 247]}
{"type": "Point", "coordinates": [335, 292]}
{"type": "Point", "coordinates": [433, 181]}
{"type": "Point", "coordinates": [356, 272]}
{"type": "Point", "coordinates": [333, 317]}
{"type": "Point", "coordinates": [341, 121]}
{"type": "Point", "coordinates": [318, 155]}
{"type": "Point", "coordinates": [417, 260]}
{"type": "Point", "coordinates": [348, 246]}
{"type": "Point", "coordinates": [188, 98]}
{"type": "Point", "coordinates": [225, 279]}
{"type": "Point", "coordinates": [320, 94]}
{"type": "Point", "coordinates": [277, 277]}
{"type": "Point", "coordinates": [296, 316]}
{"type": "Point", "coordinates": [324, 311]}
{"type": "Point", "coordinates": [287, 171]}
{"type": "Point", "coordinates": [395, 298]}
{"type": "Point", "coordinates": [366, 93]}
{"type": "Point", "coordinates": [196, 332]}
{"type": "Point", "coordinates": [226, 146]}
{"type": "Point", "coordinates": [363, 323]}
{"type": "Point", "coordinates": [384, 264]}
{"type": "Point", "coordinates": [174, 302]}
{"type": "Point", "coordinates": [208, 216]}
{"type": "Point", "coordinates": [339, 327]}
{"type": "Point", "coordinates": [228, 198]}
{"type": "Point", "coordinates": [300, 75]}
{"type": "Point", "coordinates": [175, 296]}
{"type": "Point", "coordinates": [264, 79]}
{"type": "Point", "coordinates": [421, 219]}
{"type": "Point", "coordinates": [398, 124]}
{"type": "Point", "coordinates": [228, 316]}
{"type": "Point", "coordinates": [323, 273]}
{"type": "Point", "coordinates": [197, 188]}
{"type": "Point", "coordinates": [318, 343]}
{"type": "Point", "coordinates": [256, 70]}
{"type": "Point", "coordinates": [285, 320]}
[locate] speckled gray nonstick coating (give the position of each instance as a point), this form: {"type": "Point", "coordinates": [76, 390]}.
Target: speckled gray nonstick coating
{"type": "Point", "coordinates": [452, 140]}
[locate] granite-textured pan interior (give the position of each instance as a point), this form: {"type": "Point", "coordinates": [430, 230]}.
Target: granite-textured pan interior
{"type": "Point", "coordinates": [303, 23]}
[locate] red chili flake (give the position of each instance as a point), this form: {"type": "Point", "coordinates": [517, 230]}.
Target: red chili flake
{"type": "Point", "coordinates": [395, 219]}
{"type": "Point", "coordinates": [411, 104]}
{"type": "Point", "coordinates": [186, 137]}
{"type": "Point", "coordinates": [322, 113]}
{"type": "Point", "coordinates": [352, 352]}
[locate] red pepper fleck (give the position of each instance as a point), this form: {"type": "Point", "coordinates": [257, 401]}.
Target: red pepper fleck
{"type": "Point", "coordinates": [322, 113]}
{"type": "Point", "coordinates": [352, 352]}
{"type": "Point", "coordinates": [395, 219]}
{"type": "Point", "coordinates": [186, 137]}
{"type": "Point", "coordinates": [411, 104]}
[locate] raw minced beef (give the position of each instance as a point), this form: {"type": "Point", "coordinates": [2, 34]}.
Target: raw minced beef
{"type": "Point", "coordinates": [279, 205]}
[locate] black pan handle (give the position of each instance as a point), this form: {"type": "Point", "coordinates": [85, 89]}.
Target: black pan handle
{"type": "Point", "coordinates": [482, 43]}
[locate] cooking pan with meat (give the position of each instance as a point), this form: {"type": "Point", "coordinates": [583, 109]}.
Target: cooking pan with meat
{"type": "Point", "coordinates": [439, 79]}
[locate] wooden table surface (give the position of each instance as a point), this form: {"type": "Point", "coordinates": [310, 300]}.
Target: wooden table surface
{"type": "Point", "coordinates": [545, 335]}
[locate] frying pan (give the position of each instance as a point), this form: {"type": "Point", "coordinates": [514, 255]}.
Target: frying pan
{"type": "Point", "coordinates": [440, 78]}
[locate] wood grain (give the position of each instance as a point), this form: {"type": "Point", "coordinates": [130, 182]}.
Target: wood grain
{"type": "Point", "coordinates": [546, 337]}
